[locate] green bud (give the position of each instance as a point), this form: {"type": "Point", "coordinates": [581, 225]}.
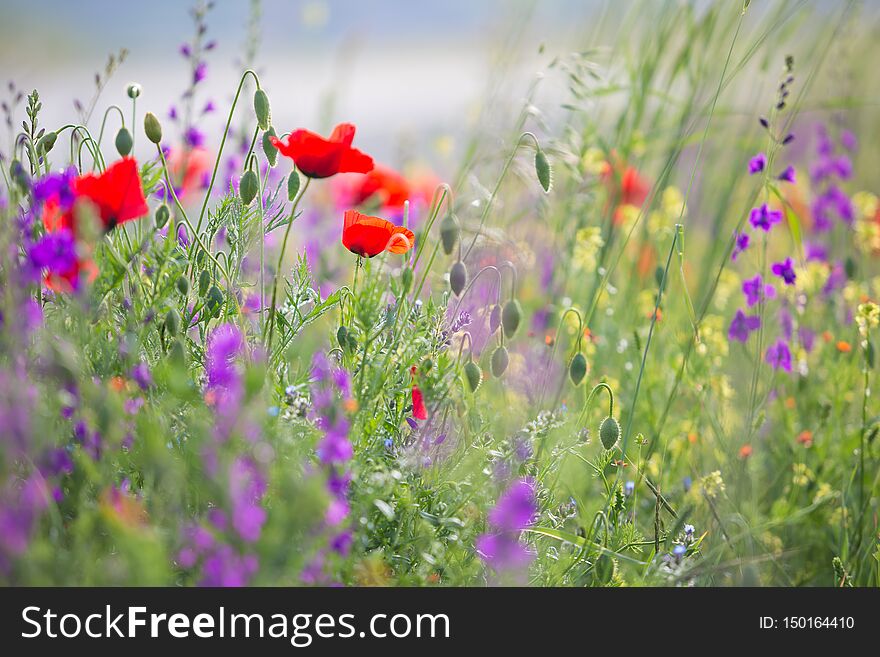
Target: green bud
{"type": "Point", "coordinates": [214, 301]}
{"type": "Point", "coordinates": [609, 432]}
{"type": "Point", "coordinates": [577, 369]}
{"type": "Point", "coordinates": [204, 282]}
{"type": "Point", "coordinates": [261, 108]}
{"type": "Point", "coordinates": [152, 128]}
{"type": "Point", "coordinates": [176, 352]}
{"type": "Point", "coordinates": [458, 278]}
{"type": "Point", "coordinates": [47, 142]}
{"type": "Point", "coordinates": [473, 374]}
{"type": "Point", "coordinates": [448, 233]}
{"type": "Point", "coordinates": [511, 315]}
{"type": "Point", "coordinates": [248, 187]}
{"type": "Point", "coordinates": [292, 185]}
{"type": "Point", "coordinates": [500, 360]}
{"type": "Point", "coordinates": [124, 142]}
{"type": "Point", "coordinates": [163, 214]}
{"type": "Point", "coordinates": [494, 319]}
{"type": "Point", "coordinates": [172, 322]}
{"type": "Point", "coordinates": [133, 90]}
{"type": "Point", "coordinates": [19, 175]}
{"type": "Point", "coordinates": [268, 148]}
{"type": "Point", "coordinates": [342, 336]}
{"type": "Point", "coordinates": [542, 168]}
{"type": "Point", "coordinates": [406, 279]}
{"type": "Point", "coordinates": [849, 266]}
{"type": "Point", "coordinates": [183, 285]}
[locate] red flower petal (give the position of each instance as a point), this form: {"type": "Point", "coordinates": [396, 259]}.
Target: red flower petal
{"type": "Point", "coordinates": [117, 192]}
{"type": "Point", "coordinates": [369, 236]}
{"type": "Point", "coordinates": [317, 157]}
{"type": "Point", "coordinates": [420, 412]}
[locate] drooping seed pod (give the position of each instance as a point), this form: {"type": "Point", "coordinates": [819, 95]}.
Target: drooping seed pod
{"type": "Point", "coordinates": [261, 109]}
{"type": "Point", "coordinates": [248, 187]}
{"type": "Point", "coordinates": [204, 282]}
{"type": "Point", "coordinates": [292, 185]}
{"type": "Point", "coordinates": [500, 360]}
{"type": "Point", "coordinates": [495, 319]}
{"type": "Point", "coordinates": [163, 213]}
{"type": "Point", "coordinates": [511, 315]}
{"type": "Point", "coordinates": [172, 322]}
{"type": "Point", "coordinates": [123, 142]}
{"type": "Point", "coordinates": [269, 148]}
{"type": "Point", "coordinates": [183, 285]}
{"type": "Point", "coordinates": [152, 128]}
{"type": "Point", "coordinates": [458, 278]}
{"type": "Point", "coordinates": [448, 233]}
{"type": "Point", "coordinates": [473, 374]}
{"type": "Point", "coordinates": [543, 170]}
{"type": "Point", "coordinates": [47, 142]}
{"type": "Point", "coordinates": [577, 369]}
{"type": "Point", "coordinates": [609, 432]}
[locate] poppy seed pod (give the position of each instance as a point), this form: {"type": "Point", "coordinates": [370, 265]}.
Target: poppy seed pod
{"type": "Point", "coordinates": [511, 315]}
{"type": "Point", "coordinates": [261, 108]}
{"type": "Point", "coordinates": [152, 128]}
{"type": "Point", "coordinates": [123, 142]}
{"type": "Point", "coordinates": [268, 148]}
{"type": "Point", "coordinates": [292, 185]}
{"type": "Point", "coordinates": [577, 369]}
{"type": "Point", "coordinates": [163, 213]}
{"type": "Point", "coordinates": [172, 322]}
{"type": "Point", "coordinates": [609, 432]}
{"type": "Point", "coordinates": [542, 168]}
{"type": "Point", "coordinates": [204, 282]}
{"type": "Point", "coordinates": [47, 142]}
{"type": "Point", "coordinates": [248, 187]}
{"type": "Point", "coordinates": [494, 319]}
{"type": "Point", "coordinates": [473, 374]}
{"type": "Point", "coordinates": [500, 360]}
{"type": "Point", "coordinates": [448, 233]}
{"type": "Point", "coordinates": [183, 285]}
{"type": "Point", "coordinates": [457, 278]}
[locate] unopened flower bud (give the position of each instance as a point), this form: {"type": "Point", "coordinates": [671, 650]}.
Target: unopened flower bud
{"type": "Point", "coordinates": [248, 187]}
{"type": "Point", "coordinates": [183, 285]}
{"type": "Point", "coordinates": [495, 319]}
{"type": "Point", "coordinates": [172, 322]}
{"type": "Point", "coordinates": [448, 233]}
{"type": "Point", "coordinates": [204, 282]}
{"type": "Point", "coordinates": [577, 369]}
{"type": "Point", "coordinates": [458, 278]}
{"type": "Point", "coordinates": [47, 142]}
{"type": "Point", "coordinates": [152, 128]}
{"type": "Point", "coordinates": [123, 142]}
{"type": "Point", "coordinates": [473, 374]}
{"type": "Point", "coordinates": [133, 90]}
{"type": "Point", "coordinates": [543, 170]}
{"type": "Point", "coordinates": [269, 148]}
{"type": "Point", "coordinates": [261, 108]}
{"type": "Point", "coordinates": [292, 185]}
{"type": "Point", "coordinates": [609, 432]}
{"type": "Point", "coordinates": [163, 213]}
{"type": "Point", "coordinates": [500, 360]}
{"type": "Point", "coordinates": [511, 315]}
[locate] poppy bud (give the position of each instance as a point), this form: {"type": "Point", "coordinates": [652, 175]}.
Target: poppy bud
{"type": "Point", "coordinates": [204, 282]}
{"type": "Point", "coordinates": [261, 108]}
{"type": "Point", "coordinates": [176, 352]}
{"type": "Point", "coordinates": [510, 317]}
{"type": "Point", "coordinates": [577, 369]}
{"type": "Point", "coordinates": [500, 360]}
{"type": "Point", "coordinates": [473, 374]}
{"type": "Point", "coordinates": [124, 142]}
{"type": "Point", "coordinates": [133, 90]}
{"type": "Point", "coordinates": [47, 142]}
{"type": "Point", "coordinates": [457, 278]}
{"type": "Point", "coordinates": [542, 168]}
{"type": "Point", "coordinates": [494, 319]}
{"type": "Point", "coordinates": [163, 213]}
{"type": "Point", "coordinates": [248, 187]}
{"type": "Point", "coordinates": [152, 128]}
{"type": "Point", "coordinates": [183, 285]}
{"type": "Point", "coordinates": [342, 336]}
{"type": "Point", "coordinates": [172, 322]}
{"type": "Point", "coordinates": [19, 175]}
{"type": "Point", "coordinates": [292, 185]}
{"type": "Point", "coordinates": [406, 279]}
{"type": "Point", "coordinates": [215, 300]}
{"type": "Point", "coordinates": [609, 432]}
{"type": "Point", "coordinates": [268, 148]}
{"type": "Point", "coordinates": [448, 233]}
{"type": "Point", "coordinates": [849, 266]}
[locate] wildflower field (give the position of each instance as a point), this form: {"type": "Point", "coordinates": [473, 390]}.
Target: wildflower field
{"type": "Point", "coordinates": [615, 325]}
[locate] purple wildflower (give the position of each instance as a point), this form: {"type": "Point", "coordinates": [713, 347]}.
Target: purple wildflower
{"type": "Point", "coordinates": [752, 287]}
{"type": "Point", "coordinates": [763, 217]}
{"type": "Point", "coordinates": [785, 270]}
{"type": "Point", "coordinates": [757, 164]}
{"type": "Point", "coordinates": [515, 510]}
{"type": "Point", "coordinates": [742, 243]}
{"type": "Point", "coordinates": [788, 175]}
{"type": "Point", "coordinates": [742, 325]}
{"type": "Point", "coordinates": [778, 356]}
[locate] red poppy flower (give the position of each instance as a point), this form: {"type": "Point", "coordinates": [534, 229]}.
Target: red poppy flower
{"type": "Point", "coordinates": [317, 157]}
{"type": "Point", "coordinates": [383, 185]}
{"type": "Point", "coordinates": [633, 188]}
{"type": "Point", "coordinates": [55, 220]}
{"type": "Point", "coordinates": [420, 412]}
{"type": "Point", "coordinates": [116, 193]}
{"type": "Point", "coordinates": [369, 236]}
{"type": "Point", "coordinates": [189, 170]}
